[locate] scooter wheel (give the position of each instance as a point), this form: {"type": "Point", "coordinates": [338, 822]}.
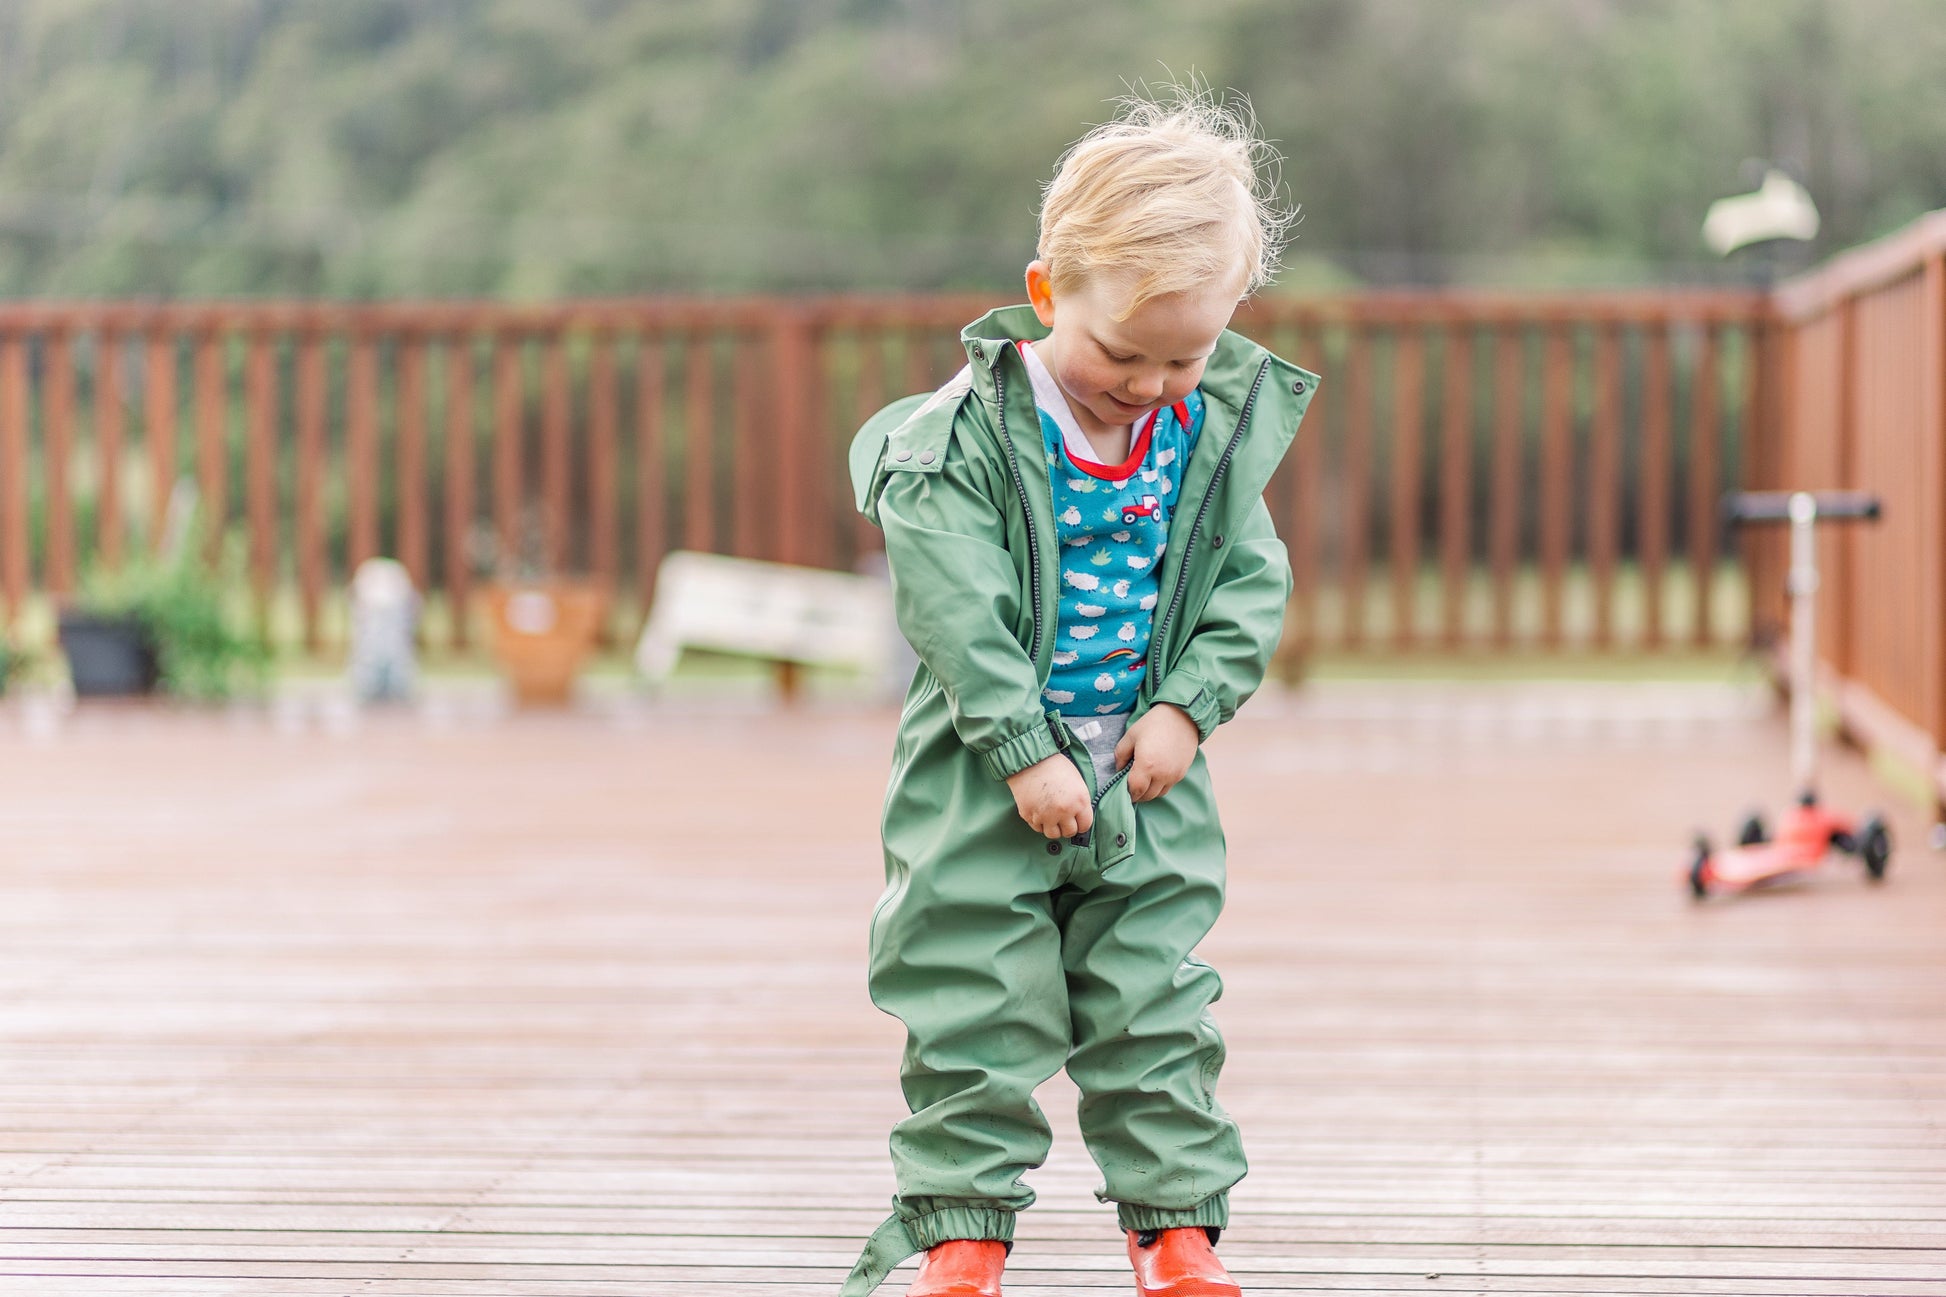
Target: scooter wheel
{"type": "Point", "coordinates": [1874, 848]}
{"type": "Point", "coordinates": [1752, 831]}
{"type": "Point", "coordinates": [1699, 886]}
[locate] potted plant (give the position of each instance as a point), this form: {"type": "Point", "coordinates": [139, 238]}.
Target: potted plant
{"type": "Point", "coordinates": [13, 660]}
{"type": "Point", "coordinates": [111, 651]}
{"type": "Point", "coordinates": [160, 622]}
{"type": "Point", "coordinates": [544, 625]}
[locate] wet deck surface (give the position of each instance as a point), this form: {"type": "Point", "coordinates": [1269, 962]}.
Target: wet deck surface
{"type": "Point", "coordinates": [453, 1005]}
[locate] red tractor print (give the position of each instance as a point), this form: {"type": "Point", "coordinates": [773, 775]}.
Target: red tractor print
{"type": "Point", "coordinates": [1149, 508]}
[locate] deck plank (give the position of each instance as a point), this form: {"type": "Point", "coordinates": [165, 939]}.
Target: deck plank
{"type": "Point", "coordinates": [298, 1002]}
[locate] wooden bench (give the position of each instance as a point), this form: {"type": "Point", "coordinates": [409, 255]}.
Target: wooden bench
{"type": "Point", "coordinates": [791, 616]}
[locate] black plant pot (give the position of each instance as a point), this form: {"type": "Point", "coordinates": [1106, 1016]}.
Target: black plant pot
{"type": "Point", "coordinates": [108, 656]}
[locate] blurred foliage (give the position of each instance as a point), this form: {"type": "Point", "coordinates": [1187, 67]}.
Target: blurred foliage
{"type": "Point", "coordinates": [13, 661]}
{"type": "Point", "coordinates": [531, 148]}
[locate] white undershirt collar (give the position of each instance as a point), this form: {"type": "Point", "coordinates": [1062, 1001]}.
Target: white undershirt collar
{"type": "Point", "coordinates": [1049, 397]}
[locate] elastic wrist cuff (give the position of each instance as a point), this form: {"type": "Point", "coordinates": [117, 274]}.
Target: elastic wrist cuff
{"type": "Point", "coordinates": [1020, 751]}
{"type": "Point", "coordinates": [1192, 694]}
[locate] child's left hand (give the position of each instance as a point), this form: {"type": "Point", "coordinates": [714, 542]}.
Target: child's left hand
{"type": "Point", "coordinates": [1157, 749]}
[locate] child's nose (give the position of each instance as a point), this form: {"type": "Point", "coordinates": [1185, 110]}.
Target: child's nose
{"type": "Point", "coordinates": [1145, 388]}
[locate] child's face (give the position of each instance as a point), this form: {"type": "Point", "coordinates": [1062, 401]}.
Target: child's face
{"type": "Point", "coordinates": [1114, 372]}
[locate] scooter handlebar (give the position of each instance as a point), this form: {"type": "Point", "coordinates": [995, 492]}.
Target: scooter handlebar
{"type": "Point", "coordinates": [1741, 507]}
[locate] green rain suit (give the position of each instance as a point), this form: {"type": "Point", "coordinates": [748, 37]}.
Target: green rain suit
{"type": "Point", "coordinates": [1008, 955]}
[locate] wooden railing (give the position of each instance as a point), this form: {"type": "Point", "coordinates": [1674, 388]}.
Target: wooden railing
{"type": "Point", "coordinates": [1864, 363]}
{"type": "Point", "coordinates": [1479, 472]}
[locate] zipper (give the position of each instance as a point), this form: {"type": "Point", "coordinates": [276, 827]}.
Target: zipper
{"type": "Point", "coordinates": [1189, 543]}
{"type": "Point", "coordinates": [1027, 511]}
{"type": "Point", "coordinates": [1113, 779]}
{"type": "Point", "coordinates": [1087, 836]}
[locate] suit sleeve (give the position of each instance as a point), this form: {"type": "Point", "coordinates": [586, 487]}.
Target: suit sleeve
{"type": "Point", "coordinates": [957, 595]}
{"type": "Point", "coordinates": [1229, 650]}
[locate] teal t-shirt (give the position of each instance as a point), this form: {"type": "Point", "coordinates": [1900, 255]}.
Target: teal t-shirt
{"type": "Point", "coordinates": [1113, 525]}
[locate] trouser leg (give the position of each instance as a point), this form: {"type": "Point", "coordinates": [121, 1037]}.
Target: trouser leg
{"type": "Point", "coordinates": [966, 954]}
{"type": "Point", "coordinates": [1146, 1051]}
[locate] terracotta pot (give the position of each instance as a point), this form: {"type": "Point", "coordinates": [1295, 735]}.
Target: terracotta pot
{"type": "Point", "coordinates": [542, 633]}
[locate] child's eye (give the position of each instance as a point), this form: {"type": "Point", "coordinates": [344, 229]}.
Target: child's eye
{"type": "Point", "coordinates": [1120, 360]}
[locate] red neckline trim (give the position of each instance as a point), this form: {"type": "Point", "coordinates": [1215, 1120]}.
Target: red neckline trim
{"type": "Point", "coordinates": [1137, 452]}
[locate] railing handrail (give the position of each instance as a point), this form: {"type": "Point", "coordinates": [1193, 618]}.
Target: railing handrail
{"type": "Point", "coordinates": [1861, 270]}
{"type": "Point", "coordinates": [449, 316]}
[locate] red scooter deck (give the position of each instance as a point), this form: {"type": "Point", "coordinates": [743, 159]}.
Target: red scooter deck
{"type": "Point", "coordinates": [1809, 838]}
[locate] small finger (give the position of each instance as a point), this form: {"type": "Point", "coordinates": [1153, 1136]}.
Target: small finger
{"type": "Point", "coordinates": [1085, 821]}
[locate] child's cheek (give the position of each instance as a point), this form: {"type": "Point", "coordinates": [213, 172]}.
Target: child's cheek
{"type": "Point", "coordinates": [1181, 384]}
{"type": "Point", "coordinates": [1087, 381]}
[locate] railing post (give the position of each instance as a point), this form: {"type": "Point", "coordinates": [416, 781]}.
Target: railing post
{"type": "Point", "coordinates": [801, 494]}
{"type": "Point", "coordinates": [1932, 489]}
{"type": "Point", "coordinates": [212, 449]}
{"type": "Point", "coordinates": [508, 402]}
{"type": "Point", "coordinates": [651, 467]}
{"type": "Point", "coordinates": [1408, 396]}
{"type": "Point", "coordinates": [603, 481]}
{"type": "Point", "coordinates": [361, 444]}
{"type": "Point", "coordinates": [14, 569]}
{"type": "Point", "coordinates": [557, 412]}
{"type": "Point", "coordinates": [1766, 393]}
{"type": "Point", "coordinates": [1604, 480]}
{"type": "Point", "coordinates": [1503, 534]}
{"type": "Point", "coordinates": [1356, 485]}
{"type": "Point", "coordinates": [1652, 524]}
{"type": "Point", "coordinates": [110, 423]}
{"type": "Point", "coordinates": [459, 481]}
{"type": "Point", "coordinates": [308, 481]}
{"type": "Point", "coordinates": [1704, 431]}
{"type": "Point", "coordinates": [1837, 603]}
{"type": "Point", "coordinates": [159, 426]}
{"type": "Point", "coordinates": [411, 544]}
{"type": "Point", "coordinates": [58, 434]}
{"type": "Point", "coordinates": [699, 439]}
{"type": "Point", "coordinates": [1556, 476]}
{"type": "Point", "coordinates": [260, 440]}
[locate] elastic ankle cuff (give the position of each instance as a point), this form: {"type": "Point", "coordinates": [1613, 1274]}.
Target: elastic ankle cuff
{"type": "Point", "coordinates": [1214, 1211]}
{"type": "Point", "coordinates": [949, 1223]}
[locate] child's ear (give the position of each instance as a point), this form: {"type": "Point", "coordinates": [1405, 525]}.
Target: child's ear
{"type": "Point", "coordinates": [1040, 292]}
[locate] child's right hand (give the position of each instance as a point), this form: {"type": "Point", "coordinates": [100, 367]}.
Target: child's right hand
{"type": "Point", "coordinates": [1053, 798]}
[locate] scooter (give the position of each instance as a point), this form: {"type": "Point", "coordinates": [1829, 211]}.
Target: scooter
{"type": "Point", "coordinates": [1809, 833]}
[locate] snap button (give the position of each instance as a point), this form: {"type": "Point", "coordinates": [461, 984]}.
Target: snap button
{"type": "Point", "coordinates": [1053, 847]}
{"type": "Point", "coordinates": [1219, 542]}
{"type": "Point", "coordinates": [903, 455]}
{"type": "Point", "coordinates": [979, 352]}
{"type": "Point", "coordinates": [927, 458]}
{"type": "Point", "coordinates": [1121, 839]}
{"type": "Point", "coordinates": [1297, 388]}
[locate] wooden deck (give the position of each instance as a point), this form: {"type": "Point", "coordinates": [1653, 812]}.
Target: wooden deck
{"type": "Point", "coordinates": [453, 1004]}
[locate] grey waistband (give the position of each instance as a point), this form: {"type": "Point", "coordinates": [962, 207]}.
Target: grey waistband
{"type": "Point", "coordinates": [1100, 734]}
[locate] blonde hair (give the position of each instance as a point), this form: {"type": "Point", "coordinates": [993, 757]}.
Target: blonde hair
{"type": "Point", "coordinates": [1169, 196]}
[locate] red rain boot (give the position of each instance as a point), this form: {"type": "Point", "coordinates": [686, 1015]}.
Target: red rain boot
{"type": "Point", "coordinates": [961, 1268]}
{"type": "Point", "coordinates": [1178, 1263]}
